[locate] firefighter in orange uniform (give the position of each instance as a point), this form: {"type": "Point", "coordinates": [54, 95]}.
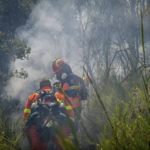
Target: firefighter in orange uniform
{"type": "Point", "coordinates": [32, 135]}
{"type": "Point", "coordinates": [72, 85]}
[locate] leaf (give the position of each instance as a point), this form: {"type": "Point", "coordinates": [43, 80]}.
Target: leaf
{"type": "Point", "coordinates": [143, 97]}
{"type": "Point", "coordinates": [148, 79]}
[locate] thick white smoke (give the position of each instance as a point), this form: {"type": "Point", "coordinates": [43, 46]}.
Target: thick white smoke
{"type": "Point", "coordinates": [45, 32]}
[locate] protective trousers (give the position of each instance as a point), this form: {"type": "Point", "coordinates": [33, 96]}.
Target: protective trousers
{"type": "Point", "coordinates": [34, 138]}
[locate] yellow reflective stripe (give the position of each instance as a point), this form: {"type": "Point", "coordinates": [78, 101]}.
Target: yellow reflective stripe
{"type": "Point", "coordinates": [68, 107]}
{"type": "Point", "coordinates": [74, 87]}
{"type": "Point", "coordinates": [36, 102]}
{"type": "Point", "coordinates": [27, 111]}
{"type": "Point", "coordinates": [57, 62]}
{"type": "Point", "coordinates": [72, 119]}
{"type": "Point", "coordinates": [58, 100]}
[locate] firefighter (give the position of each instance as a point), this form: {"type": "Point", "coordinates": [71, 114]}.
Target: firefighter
{"type": "Point", "coordinates": [32, 135]}
{"type": "Point", "coordinates": [72, 85]}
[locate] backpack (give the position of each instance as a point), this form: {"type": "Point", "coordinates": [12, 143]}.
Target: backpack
{"type": "Point", "coordinates": [46, 97]}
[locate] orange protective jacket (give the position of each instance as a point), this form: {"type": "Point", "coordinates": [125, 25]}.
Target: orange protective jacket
{"type": "Point", "coordinates": [35, 136]}
{"type": "Point", "coordinates": [61, 98]}
{"type": "Point", "coordinates": [32, 98]}
{"type": "Point", "coordinates": [72, 86]}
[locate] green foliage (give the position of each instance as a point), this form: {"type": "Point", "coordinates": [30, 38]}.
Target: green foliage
{"type": "Point", "coordinates": [129, 121]}
{"type": "Point", "coordinates": [17, 11]}
{"type": "Point", "coordinates": [132, 129]}
{"type": "Point", "coordinates": [10, 134]}
{"type": "Point", "coordinates": [22, 74]}
{"type": "Point", "coordinates": [14, 13]}
{"type": "Point", "coordinates": [10, 50]}
{"type": "Point", "coordinates": [119, 116]}
{"type": "Point", "coordinates": [12, 141]}
{"type": "Point", "coordinates": [14, 47]}
{"type": "Point", "coordinates": [66, 143]}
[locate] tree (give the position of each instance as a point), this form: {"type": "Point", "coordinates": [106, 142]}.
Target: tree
{"type": "Point", "coordinates": [13, 14]}
{"type": "Point", "coordinates": [111, 39]}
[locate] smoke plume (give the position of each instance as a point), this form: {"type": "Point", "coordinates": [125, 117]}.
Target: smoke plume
{"type": "Point", "coordinates": [48, 32]}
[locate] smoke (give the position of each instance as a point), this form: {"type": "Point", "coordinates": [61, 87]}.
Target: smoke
{"type": "Point", "coordinates": [48, 32]}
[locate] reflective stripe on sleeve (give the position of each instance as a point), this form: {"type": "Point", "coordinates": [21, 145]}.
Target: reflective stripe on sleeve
{"type": "Point", "coordinates": [58, 100]}
{"type": "Point", "coordinates": [74, 87]}
{"type": "Point", "coordinates": [27, 111]}
{"type": "Point", "coordinates": [68, 107]}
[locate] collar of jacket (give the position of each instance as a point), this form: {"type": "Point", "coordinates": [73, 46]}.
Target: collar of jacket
{"type": "Point", "coordinates": [46, 88]}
